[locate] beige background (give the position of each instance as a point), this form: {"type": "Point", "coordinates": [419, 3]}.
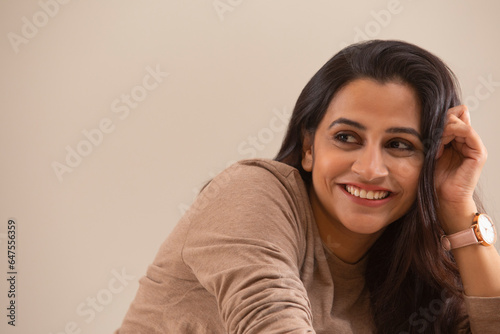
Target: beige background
{"type": "Point", "coordinates": [234, 73]}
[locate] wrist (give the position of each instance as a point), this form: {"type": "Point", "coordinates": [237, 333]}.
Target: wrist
{"type": "Point", "coordinates": [482, 231]}
{"type": "Point", "coordinates": [457, 218]}
{"type": "Point", "coordinates": [479, 269]}
{"type": "Point", "coordinates": [458, 223]}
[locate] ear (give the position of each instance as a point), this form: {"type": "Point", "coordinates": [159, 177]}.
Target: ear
{"type": "Point", "coordinates": [307, 153]}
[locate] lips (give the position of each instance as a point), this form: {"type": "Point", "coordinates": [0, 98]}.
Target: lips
{"type": "Point", "coordinates": [365, 193]}
{"type": "Point", "coordinates": [373, 197]}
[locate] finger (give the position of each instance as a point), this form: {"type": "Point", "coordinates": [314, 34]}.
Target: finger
{"type": "Point", "coordinates": [445, 143]}
{"type": "Point", "coordinates": [448, 134]}
{"type": "Point", "coordinates": [440, 151]}
{"type": "Point", "coordinates": [458, 114]}
{"type": "Point", "coordinates": [454, 122]}
{"type": "Point", "coordinates": [469, 142]}
{"type": "Point", "coordinates": [462, 137]}
{"type": "Point", "coordinates": [461, 112]}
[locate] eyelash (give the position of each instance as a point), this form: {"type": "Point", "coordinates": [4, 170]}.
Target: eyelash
{"type": "Point", "coordinates": [339, 135]}
{"type": "Point", "coordinates": [408, 146]}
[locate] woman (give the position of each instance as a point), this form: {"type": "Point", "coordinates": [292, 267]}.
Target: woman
{"type": "Point", "coordinates": [343, 231]}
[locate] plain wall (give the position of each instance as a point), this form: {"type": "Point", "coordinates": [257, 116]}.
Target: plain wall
{"type": "Point", "coordinates": [235, 69]}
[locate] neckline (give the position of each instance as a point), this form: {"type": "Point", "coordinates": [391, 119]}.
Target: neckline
{"type": "Point", "coordinates": [344, 269]}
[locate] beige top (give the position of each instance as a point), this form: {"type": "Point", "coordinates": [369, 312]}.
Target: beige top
{"type": "Point", "coordinates": [247, 258]}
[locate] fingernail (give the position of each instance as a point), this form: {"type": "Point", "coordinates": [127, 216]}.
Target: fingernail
{"type": "Point", "coordinates": [440, 152]}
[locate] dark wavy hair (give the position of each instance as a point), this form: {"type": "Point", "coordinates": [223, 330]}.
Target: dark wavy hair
{"type": "Point", "coordinates": [408, 272]}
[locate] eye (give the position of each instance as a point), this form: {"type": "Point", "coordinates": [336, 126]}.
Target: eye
{"type": "Point", "coordinates": [401, 145]}
{"type": "Point", "coordinates": [346, 138]}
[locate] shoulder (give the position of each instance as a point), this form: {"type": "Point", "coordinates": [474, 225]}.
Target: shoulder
{"type": "Point", "coordinates": [276, 168]}
{"type": "Point", "coordinates": [263, 171]}
{"type": "Point", "coordinates": [260, 204]}
{"type": "Point", "coordinates": [260, 198]}
{"type": "Point", "coordinates": [256, 180]}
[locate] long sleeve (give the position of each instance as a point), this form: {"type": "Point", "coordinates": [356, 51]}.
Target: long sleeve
{"type": "Point", "coordinates": [244, 246]}
{"type": "Point", "coordinates": [238, 261]}
{"type": "Point", "coordinates": [484, 314]}
{"type": "Point", "coordinates": [247, 258]}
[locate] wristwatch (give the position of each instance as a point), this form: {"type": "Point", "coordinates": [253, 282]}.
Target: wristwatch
{"type": "Point", "coordinates": [481, 232]}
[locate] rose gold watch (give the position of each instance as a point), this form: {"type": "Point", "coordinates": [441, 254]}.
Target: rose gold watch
{"type": "Point", "coordinates": [481, 232]}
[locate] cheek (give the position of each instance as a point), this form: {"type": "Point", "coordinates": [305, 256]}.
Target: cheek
{"type": "Point", "coordinates": [331, 164]}
{"type": "Point", "coordinates": [407, 172]}
{"type": "Point", "coordinates": [330, 157]}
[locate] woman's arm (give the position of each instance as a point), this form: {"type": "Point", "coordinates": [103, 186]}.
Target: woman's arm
{"type": "Point", "coordinates": [479, 267]}
{"type": "Point", "coordinates": [245, 246]}
{"type": "Point", "coordinates": [458, 169]}
{"type": "Point", "coordinates": [232, 264]}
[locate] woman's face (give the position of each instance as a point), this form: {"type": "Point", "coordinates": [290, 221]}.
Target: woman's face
{"type": "Point", "coordinates": [366, 158]}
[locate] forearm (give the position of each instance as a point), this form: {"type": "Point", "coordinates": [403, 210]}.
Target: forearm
{"type": "Point", "coordinates": [479, 268]}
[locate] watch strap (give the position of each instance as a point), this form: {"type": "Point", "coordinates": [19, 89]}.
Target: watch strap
{"type": "Point", "coordinates": [460, 239]}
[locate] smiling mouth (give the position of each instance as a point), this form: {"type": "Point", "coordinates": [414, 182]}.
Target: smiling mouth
{"type": "Point", "coordinates": [370, 194]}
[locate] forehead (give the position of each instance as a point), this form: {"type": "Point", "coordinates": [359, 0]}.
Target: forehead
{"type": "Point", "coordinates": [375, 104]}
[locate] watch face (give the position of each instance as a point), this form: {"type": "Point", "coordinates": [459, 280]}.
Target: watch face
{"type": "Point", "coordinates": [487, 229]}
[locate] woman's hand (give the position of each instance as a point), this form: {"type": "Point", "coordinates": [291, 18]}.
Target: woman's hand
{"type": "Point", "coordinates": [459, 164]}
{"type": "Point", "coordinates": [460, 160]}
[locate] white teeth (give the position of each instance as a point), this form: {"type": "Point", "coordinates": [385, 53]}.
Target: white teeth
{"type": "Point", "coordinates": [362, 193]}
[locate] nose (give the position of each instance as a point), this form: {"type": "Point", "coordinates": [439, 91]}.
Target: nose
{"type": "Point", "coordinates": [370, 164]}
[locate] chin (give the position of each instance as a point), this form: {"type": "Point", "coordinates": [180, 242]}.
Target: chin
{"type": "Point", "coordinates": [367, 230]}
{"type": "Point", "coordinates": [366, 227]}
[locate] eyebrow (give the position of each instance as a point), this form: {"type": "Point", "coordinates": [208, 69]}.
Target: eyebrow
{"type": "Point", "coordinates": [357, 125]}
